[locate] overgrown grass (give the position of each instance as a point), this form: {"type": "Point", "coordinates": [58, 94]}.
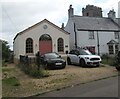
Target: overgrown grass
{"type": "Point", "coordinates": [4, 64]}
{"type": "Point", "coordinates": [32, 71]}
{"type": "Point", "coordinates": [11, 81]}
{"type": "Point", "coordinates": [7, 69]}
{"type": "Point", "coordinates": [108, 60]}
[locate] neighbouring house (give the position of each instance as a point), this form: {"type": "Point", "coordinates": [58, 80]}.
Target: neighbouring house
{"type": "Point", "coordinates": [44, 37]}
{"type": "Point", "coordinates": [93, 31]}
{"type": "Point", "coordinates": [119, 20]}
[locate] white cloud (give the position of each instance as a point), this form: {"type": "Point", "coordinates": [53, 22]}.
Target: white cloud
{"type": "Point", "coordinates": [20, 14]}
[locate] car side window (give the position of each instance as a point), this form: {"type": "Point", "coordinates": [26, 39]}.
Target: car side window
{"type": "Point", "coordinates": [71, 52]}
{"type": "Point", "coordinates": [76, 52]}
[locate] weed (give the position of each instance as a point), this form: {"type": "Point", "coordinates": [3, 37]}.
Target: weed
{"type": "Point", "coordinates": [32, 71]}
{"type": "Point", "coordinates": [12, 81]}
{"type": "Point", "coordinates": [7, 69]}
{"type": "Point", "coordinates": [108, 61]}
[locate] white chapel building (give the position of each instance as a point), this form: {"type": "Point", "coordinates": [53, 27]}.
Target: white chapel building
{"type": "Point", "coordinates": [93, 31]}
{"type": "Point", "coordinates": [44, 37]}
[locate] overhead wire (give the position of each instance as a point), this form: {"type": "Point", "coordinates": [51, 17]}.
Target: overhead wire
{"type": "Point", "coordinates": [5, 11]}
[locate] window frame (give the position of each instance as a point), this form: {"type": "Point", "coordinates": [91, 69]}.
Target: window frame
{"type": "Point", "coordinates": [111, 51]}
{"type": "Point", "coordinates": [60, 43]}
{"type": "Point", "coordinates": [91, 35]}
{"type": "Point", "coordinates": [29, 46]}
{"type": "Point", "coordinates": [116, 34]}
{"type": "Point", "coordinates": [116, 48]}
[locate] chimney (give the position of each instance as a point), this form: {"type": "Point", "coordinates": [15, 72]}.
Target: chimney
{"type": "Point", "coordinates": [112, 14]}
{"type": "Point", "coordinates": [62, 27]}
{"type": "Point", "coordinates": [70, 11]}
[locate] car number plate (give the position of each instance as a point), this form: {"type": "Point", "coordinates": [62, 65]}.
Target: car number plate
{"type": "Point", "coordinates": [58, 63]}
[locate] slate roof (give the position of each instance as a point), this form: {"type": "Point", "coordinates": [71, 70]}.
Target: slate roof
{"type": "Point", "coordinates": [95, 23]}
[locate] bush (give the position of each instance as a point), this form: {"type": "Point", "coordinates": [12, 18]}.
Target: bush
{"type": "Point", "coordinates": [32, 71]}
{"type": "Point", "coordinates": [106, 59]}
{"type": "Point", "coordinates": [4, 64]}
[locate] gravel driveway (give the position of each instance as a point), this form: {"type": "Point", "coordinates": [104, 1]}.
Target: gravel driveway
{"type": "Point", "coordinates": [73, 75]}
{"type": "Point", "coordinates": [58, 79]}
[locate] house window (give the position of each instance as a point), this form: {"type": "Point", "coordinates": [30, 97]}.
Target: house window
{"type": "Point", "coordinates": [60, 45]}
{"type": "Point", "coordinates": [29, 45]}
{"type": "Point", "coordinates": [91, 49]}
{"type": "Point", "coordinates": [91, 35]}
{"type": "Point", "coordinates": [87, 14]}
{"type": "Point", "coordinates": [111, 51]}
{"type": "Point", "coordinates": [116, 49]}
{"type": "Point", "coordinates": [116, 35]}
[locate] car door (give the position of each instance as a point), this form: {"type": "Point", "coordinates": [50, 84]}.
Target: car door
{"type": "Point", "coordinates": [74, 56]}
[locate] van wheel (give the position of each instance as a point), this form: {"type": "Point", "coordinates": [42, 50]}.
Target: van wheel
{"type": "Point", "coordinates": [82, 63]}
{"type": "Point", "coordinates": [68, 61]}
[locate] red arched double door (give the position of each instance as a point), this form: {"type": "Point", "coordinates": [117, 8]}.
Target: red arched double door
{"type": "Point", "coordinates": [45, 44]}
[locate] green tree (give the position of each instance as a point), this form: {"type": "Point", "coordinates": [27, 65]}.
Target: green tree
{"type": "Point", "coordinates": [5, 50]}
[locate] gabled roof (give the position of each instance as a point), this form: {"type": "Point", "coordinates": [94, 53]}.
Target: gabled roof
{"type": "Point", "coordinates": [95, 23]}
{"type": "Point", "coordinates": [112, 42]}
{"type": "Point", "coordinates": [33, 26]}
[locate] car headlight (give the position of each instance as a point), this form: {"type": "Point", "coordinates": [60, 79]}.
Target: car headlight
{"type": "Point", "coordinates": [86, 57]}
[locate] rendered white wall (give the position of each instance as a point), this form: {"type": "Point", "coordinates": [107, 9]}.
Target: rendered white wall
{"type": "Point", "coordinates": [119, 23]}
{"type": "Point", "coordinates": [104, 38]}
{"type": "Point", "coordinates": [70, 28]}
{"type": "Point", "coordinates": [35, 34]}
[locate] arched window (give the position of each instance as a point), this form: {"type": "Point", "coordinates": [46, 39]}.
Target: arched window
{"type": "Point", "coordinates": [60, 45]}
{"type": "Point", "coordinates": [45, 37]}
{"type": "Point", "coordinates": [29, 45]}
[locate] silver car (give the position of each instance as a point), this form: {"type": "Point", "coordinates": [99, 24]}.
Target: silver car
{"type": "Point", "coordinates": [83, 57]}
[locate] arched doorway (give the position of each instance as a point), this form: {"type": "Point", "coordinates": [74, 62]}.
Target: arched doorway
{"type": "Point", "coordinates": [45, 44]}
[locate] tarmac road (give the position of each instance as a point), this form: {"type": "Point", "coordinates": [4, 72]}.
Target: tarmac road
{"type": "Point", "coordinates": [101, 88]}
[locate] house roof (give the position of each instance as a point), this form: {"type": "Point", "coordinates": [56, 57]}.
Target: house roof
{"type": "Point", "coordinates": [95, 23]}
{"type": "Point", "coordinates": [45, 20]}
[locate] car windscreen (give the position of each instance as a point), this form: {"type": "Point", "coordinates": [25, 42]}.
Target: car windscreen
{"type": "Point", "coordinates": [85, 52]}
{"type": "Point", "coordinates": [51, 55]}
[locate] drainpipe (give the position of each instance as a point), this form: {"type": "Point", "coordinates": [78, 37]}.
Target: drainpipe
{"type": "Point", "coordinates": [98, 44]}
{"type": "Point", "coordinates": [119, 41]}
{"type": "Point", "coordinates": [75, 36]}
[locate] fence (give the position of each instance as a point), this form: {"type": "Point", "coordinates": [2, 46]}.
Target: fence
{"type": "Point", "coordinates": [27, 60]}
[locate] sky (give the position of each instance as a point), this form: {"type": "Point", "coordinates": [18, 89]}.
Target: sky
{"type": "Point", "coordinates": [18, 15]}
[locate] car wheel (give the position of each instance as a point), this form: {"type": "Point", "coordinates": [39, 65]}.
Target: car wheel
{"type": "Point", "coordinates": [63, 67]}
{"type": "Point", "coordinates": [68, 61]}
{"type": "Point", "coordinates": [118, 68]}
{"type": "Point", "coordinates": [82, 63]}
